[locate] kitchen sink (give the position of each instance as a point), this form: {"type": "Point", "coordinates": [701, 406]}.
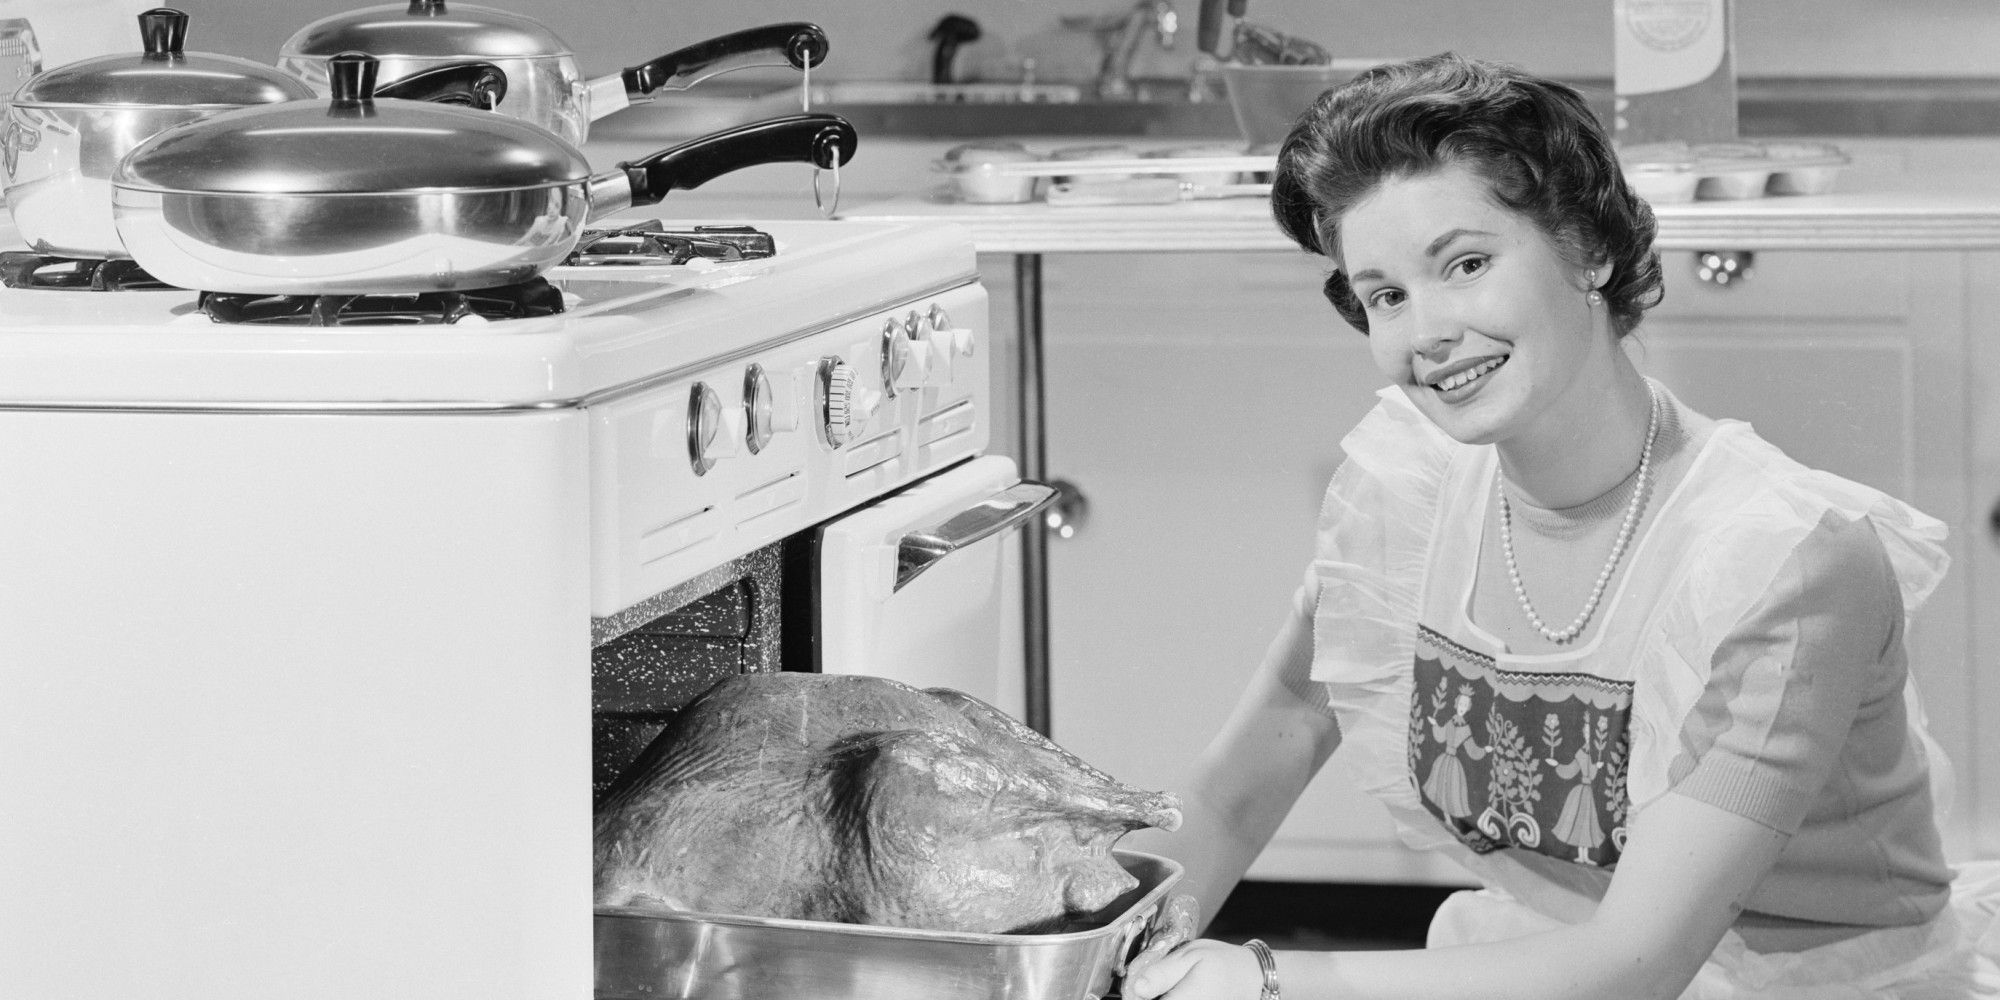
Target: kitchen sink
{"type": "Point", "coordinates": [851, 93]}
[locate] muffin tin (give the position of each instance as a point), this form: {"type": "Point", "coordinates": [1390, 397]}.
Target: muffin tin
{"type": "Point", "coordinates": [1010, 173]}
{"type": "Point", "coordinates": [1676, 172]}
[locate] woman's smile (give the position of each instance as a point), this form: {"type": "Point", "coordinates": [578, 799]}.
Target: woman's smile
{"type": "Point", "coordinates": [1459, 381]}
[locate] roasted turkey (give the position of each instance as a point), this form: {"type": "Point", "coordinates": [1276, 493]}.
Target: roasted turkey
{"type": "Point", "coordinates": [863, 800]}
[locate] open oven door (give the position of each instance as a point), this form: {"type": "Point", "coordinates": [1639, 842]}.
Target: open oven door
{"type": "Point", "coordinates": [924, 586]}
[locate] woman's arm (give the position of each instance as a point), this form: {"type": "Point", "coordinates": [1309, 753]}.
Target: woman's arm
{"type": "Point", "coordinates": [1244, 783]}
{"type": "Point", "coordinates": [1679, 886]}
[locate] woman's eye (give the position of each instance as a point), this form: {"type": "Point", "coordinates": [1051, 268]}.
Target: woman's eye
{"type": "Point", "coordinates": [1470, 265]}
{"type": "Point", "coordinates": [1387, 298]}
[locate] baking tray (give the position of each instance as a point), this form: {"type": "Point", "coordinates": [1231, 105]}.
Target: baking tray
{"type": "Point", "coordinates": [1678, 172]}
{"type": "Point", "coordinates": [665, 955]}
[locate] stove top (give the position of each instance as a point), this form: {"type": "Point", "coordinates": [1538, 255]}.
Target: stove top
{"type": "Point", "coordinates": [535, 297]}
{"type": "Point", "coordinates": [650, 242]}
{"type": "Point", "coordinates": [29, 270]}
{"type": "Point", "coordinates": [582, 329]}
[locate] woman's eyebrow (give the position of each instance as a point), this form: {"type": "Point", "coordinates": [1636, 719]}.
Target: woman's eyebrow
{"type": "Point", "coordinates": [1436, 247]}
{"type": "Point", "coordinates": [1445, 240]}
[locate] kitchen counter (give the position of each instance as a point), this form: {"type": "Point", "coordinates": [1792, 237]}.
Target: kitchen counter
{"type": "Point", "coordinates": [1964, 218]}
{"type": "Point", "coordinates": [1958, 212]}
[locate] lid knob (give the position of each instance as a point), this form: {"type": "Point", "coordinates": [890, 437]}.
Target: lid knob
{"type": "Point", "coordinates": [351, 79]}
{"type": "Point", "coordinates": [163, 31]}
{"type": "Point", "coordinates": [426, 8]}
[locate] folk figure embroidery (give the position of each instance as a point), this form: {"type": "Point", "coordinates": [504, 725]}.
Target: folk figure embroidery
{"type": "Point", "coordinates": [1578, 826]}
{"type": "Point", "coordinates": [1512, 758]}
{"type": "Point", "coordinates": [1445, 786]}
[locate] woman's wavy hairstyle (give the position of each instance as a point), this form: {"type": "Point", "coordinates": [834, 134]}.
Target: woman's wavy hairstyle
{"type": "Point", "coordinates": [1535, 141]}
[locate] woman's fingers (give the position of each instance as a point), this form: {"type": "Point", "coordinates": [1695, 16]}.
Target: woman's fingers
{"type": "Point", "coordinates": [1196, 970]}
{"type": "Point", "coordinates": [1155, 972]}
{"type": "Point", "coordinates": [1173, 926]}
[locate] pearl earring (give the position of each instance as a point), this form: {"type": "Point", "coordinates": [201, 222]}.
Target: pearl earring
{"type": "Point", "coordinates": [1594, 297]}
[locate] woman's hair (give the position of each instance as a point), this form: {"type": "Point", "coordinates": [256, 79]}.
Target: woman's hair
{"type": "Point", "coordinates": [1535, 141]}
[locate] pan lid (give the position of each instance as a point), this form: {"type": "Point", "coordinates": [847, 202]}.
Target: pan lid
{"type": "Point", "coordinates": [427, 29]}
{"type": "Point", "coordinates": [163, 75]}
{"type": "Point", "coordinates": [352, 144]}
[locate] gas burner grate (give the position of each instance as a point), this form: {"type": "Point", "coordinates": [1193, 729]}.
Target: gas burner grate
{"type": "Point", "coordinates": [648, 243]}
{"type": "Point", "coordinates": [534, 297]}
{"type": "Point", "coordinates": [22, 269]}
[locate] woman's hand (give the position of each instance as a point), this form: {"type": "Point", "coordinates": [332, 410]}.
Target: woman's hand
{"type": "Point", "coordinates": [1177, 922]}
{"type": "Point", "coordinates": [1197, 970]}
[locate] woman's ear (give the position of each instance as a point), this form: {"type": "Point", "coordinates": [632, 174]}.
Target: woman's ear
{"type": "Point", "coordinates": [1598, 276]}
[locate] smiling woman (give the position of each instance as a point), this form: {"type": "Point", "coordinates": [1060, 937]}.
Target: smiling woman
{"type": "Point", "coordinates": [1634, 668]}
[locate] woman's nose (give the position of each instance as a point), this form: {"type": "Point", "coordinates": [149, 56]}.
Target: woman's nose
{"type": "Point", "coordinates": [1436, 331]}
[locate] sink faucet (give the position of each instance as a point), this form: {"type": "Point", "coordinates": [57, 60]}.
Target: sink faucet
{"type": "Point", "coordinates": [1120, 36]}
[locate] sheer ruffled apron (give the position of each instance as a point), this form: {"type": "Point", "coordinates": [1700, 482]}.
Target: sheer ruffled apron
{"type": "Point", "coordinates": [1408, 500]}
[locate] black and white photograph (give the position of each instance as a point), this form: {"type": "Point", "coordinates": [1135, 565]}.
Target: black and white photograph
{"type": "Point", "coordinates": [1018, 500]}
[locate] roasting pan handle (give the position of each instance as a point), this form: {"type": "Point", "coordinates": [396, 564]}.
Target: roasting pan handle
{"type": "Point", "coordinates": [920, 550]}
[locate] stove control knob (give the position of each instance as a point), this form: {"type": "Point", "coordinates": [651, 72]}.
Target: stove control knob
{"type": "Point", "coordinates": [768, 410]}
{"type": "Point", "coordinates": [906, 356]}
{"type": "Point", "coordinates": [846, 405]}
{"type": "Point", "coordinates": [713, 431]}
{"type": "Point", "coordinates": [948, 343]}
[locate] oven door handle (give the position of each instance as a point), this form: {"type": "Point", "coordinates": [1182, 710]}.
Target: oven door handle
{"type": "Point", "coordinates": [921, 549]}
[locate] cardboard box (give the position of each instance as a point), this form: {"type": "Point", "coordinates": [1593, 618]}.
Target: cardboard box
{"type": "Point", "coordinates": [1674, 71]}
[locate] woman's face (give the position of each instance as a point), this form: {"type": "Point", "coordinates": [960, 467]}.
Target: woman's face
{"type": "Point", "coordinates": [1471, 311]}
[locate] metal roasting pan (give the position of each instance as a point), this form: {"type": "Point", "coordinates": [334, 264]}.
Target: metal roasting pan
{"type": "Point", "coordinates": [663, 955]}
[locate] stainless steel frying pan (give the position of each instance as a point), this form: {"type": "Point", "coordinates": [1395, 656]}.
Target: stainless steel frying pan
{"type": "Point", "coordinates": [358, 195]}
{"type": "Point", "coordinates": [549, 88]}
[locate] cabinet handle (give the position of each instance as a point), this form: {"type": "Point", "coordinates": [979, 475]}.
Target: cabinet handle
{"type": "Point", "coordinates": [920, 550]}
{"type": "Point", "coordinates": [1070, 512]}
{"type": "Point", "coordinates": [1723, 268]}
{"type": "Point", "coordinates": [1993, 520]}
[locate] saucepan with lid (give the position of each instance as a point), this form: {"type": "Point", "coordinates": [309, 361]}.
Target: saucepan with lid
{"type": "Point", "coordinates": [549, 88]}
{"type": "Point", "coordinates": [358, 195]}
{"type": "Point", "coordinates": [68, 128]}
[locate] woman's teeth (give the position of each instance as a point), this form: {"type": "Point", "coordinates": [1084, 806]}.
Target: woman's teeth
{"type": "Point", "coordinates": [1467, 376]}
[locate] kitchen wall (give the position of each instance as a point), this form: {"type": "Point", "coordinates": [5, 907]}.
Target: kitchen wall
{"type": "Point", "coordinates": [885, 38]}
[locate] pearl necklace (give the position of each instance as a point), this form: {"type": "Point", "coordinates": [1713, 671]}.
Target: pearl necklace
{"type": "Point", "coordinates": [1633, 509]}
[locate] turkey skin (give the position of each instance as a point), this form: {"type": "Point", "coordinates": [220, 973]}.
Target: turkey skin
{"type": "Point", "coordinates": [864, 800]}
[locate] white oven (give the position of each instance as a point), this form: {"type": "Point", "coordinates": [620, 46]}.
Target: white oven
{"type": "Point", "coordinates": [315, 636]}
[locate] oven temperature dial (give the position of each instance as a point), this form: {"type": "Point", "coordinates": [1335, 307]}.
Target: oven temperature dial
{"type": "Point", "coordinates": [846, 405]}
{"type": "Point", "coordinates": [714, 432]}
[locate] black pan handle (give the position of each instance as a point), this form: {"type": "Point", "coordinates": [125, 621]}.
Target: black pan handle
{"type": "Point", "coordinates": [1208, 27]}
{"type": "Point", "coordinates": [819, 139]}
{"type": "Point", "coordinates": [468, 84]}
{"type": "Point", "coordinates": [796, 44]}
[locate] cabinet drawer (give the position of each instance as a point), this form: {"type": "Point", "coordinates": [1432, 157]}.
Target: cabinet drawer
{"type": "Point", "coordinates": [1820, 286]}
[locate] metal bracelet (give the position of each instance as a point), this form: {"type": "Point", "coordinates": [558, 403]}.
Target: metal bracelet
{"type": "Point", "coordinates": [1267, 962]}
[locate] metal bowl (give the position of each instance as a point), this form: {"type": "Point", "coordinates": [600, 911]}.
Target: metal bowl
{"type": "Point", "coordinates": [664, 955]}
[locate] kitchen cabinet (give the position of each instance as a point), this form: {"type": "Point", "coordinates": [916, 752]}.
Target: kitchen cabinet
{"type": "Point", "coordinates": [1197, 400]}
